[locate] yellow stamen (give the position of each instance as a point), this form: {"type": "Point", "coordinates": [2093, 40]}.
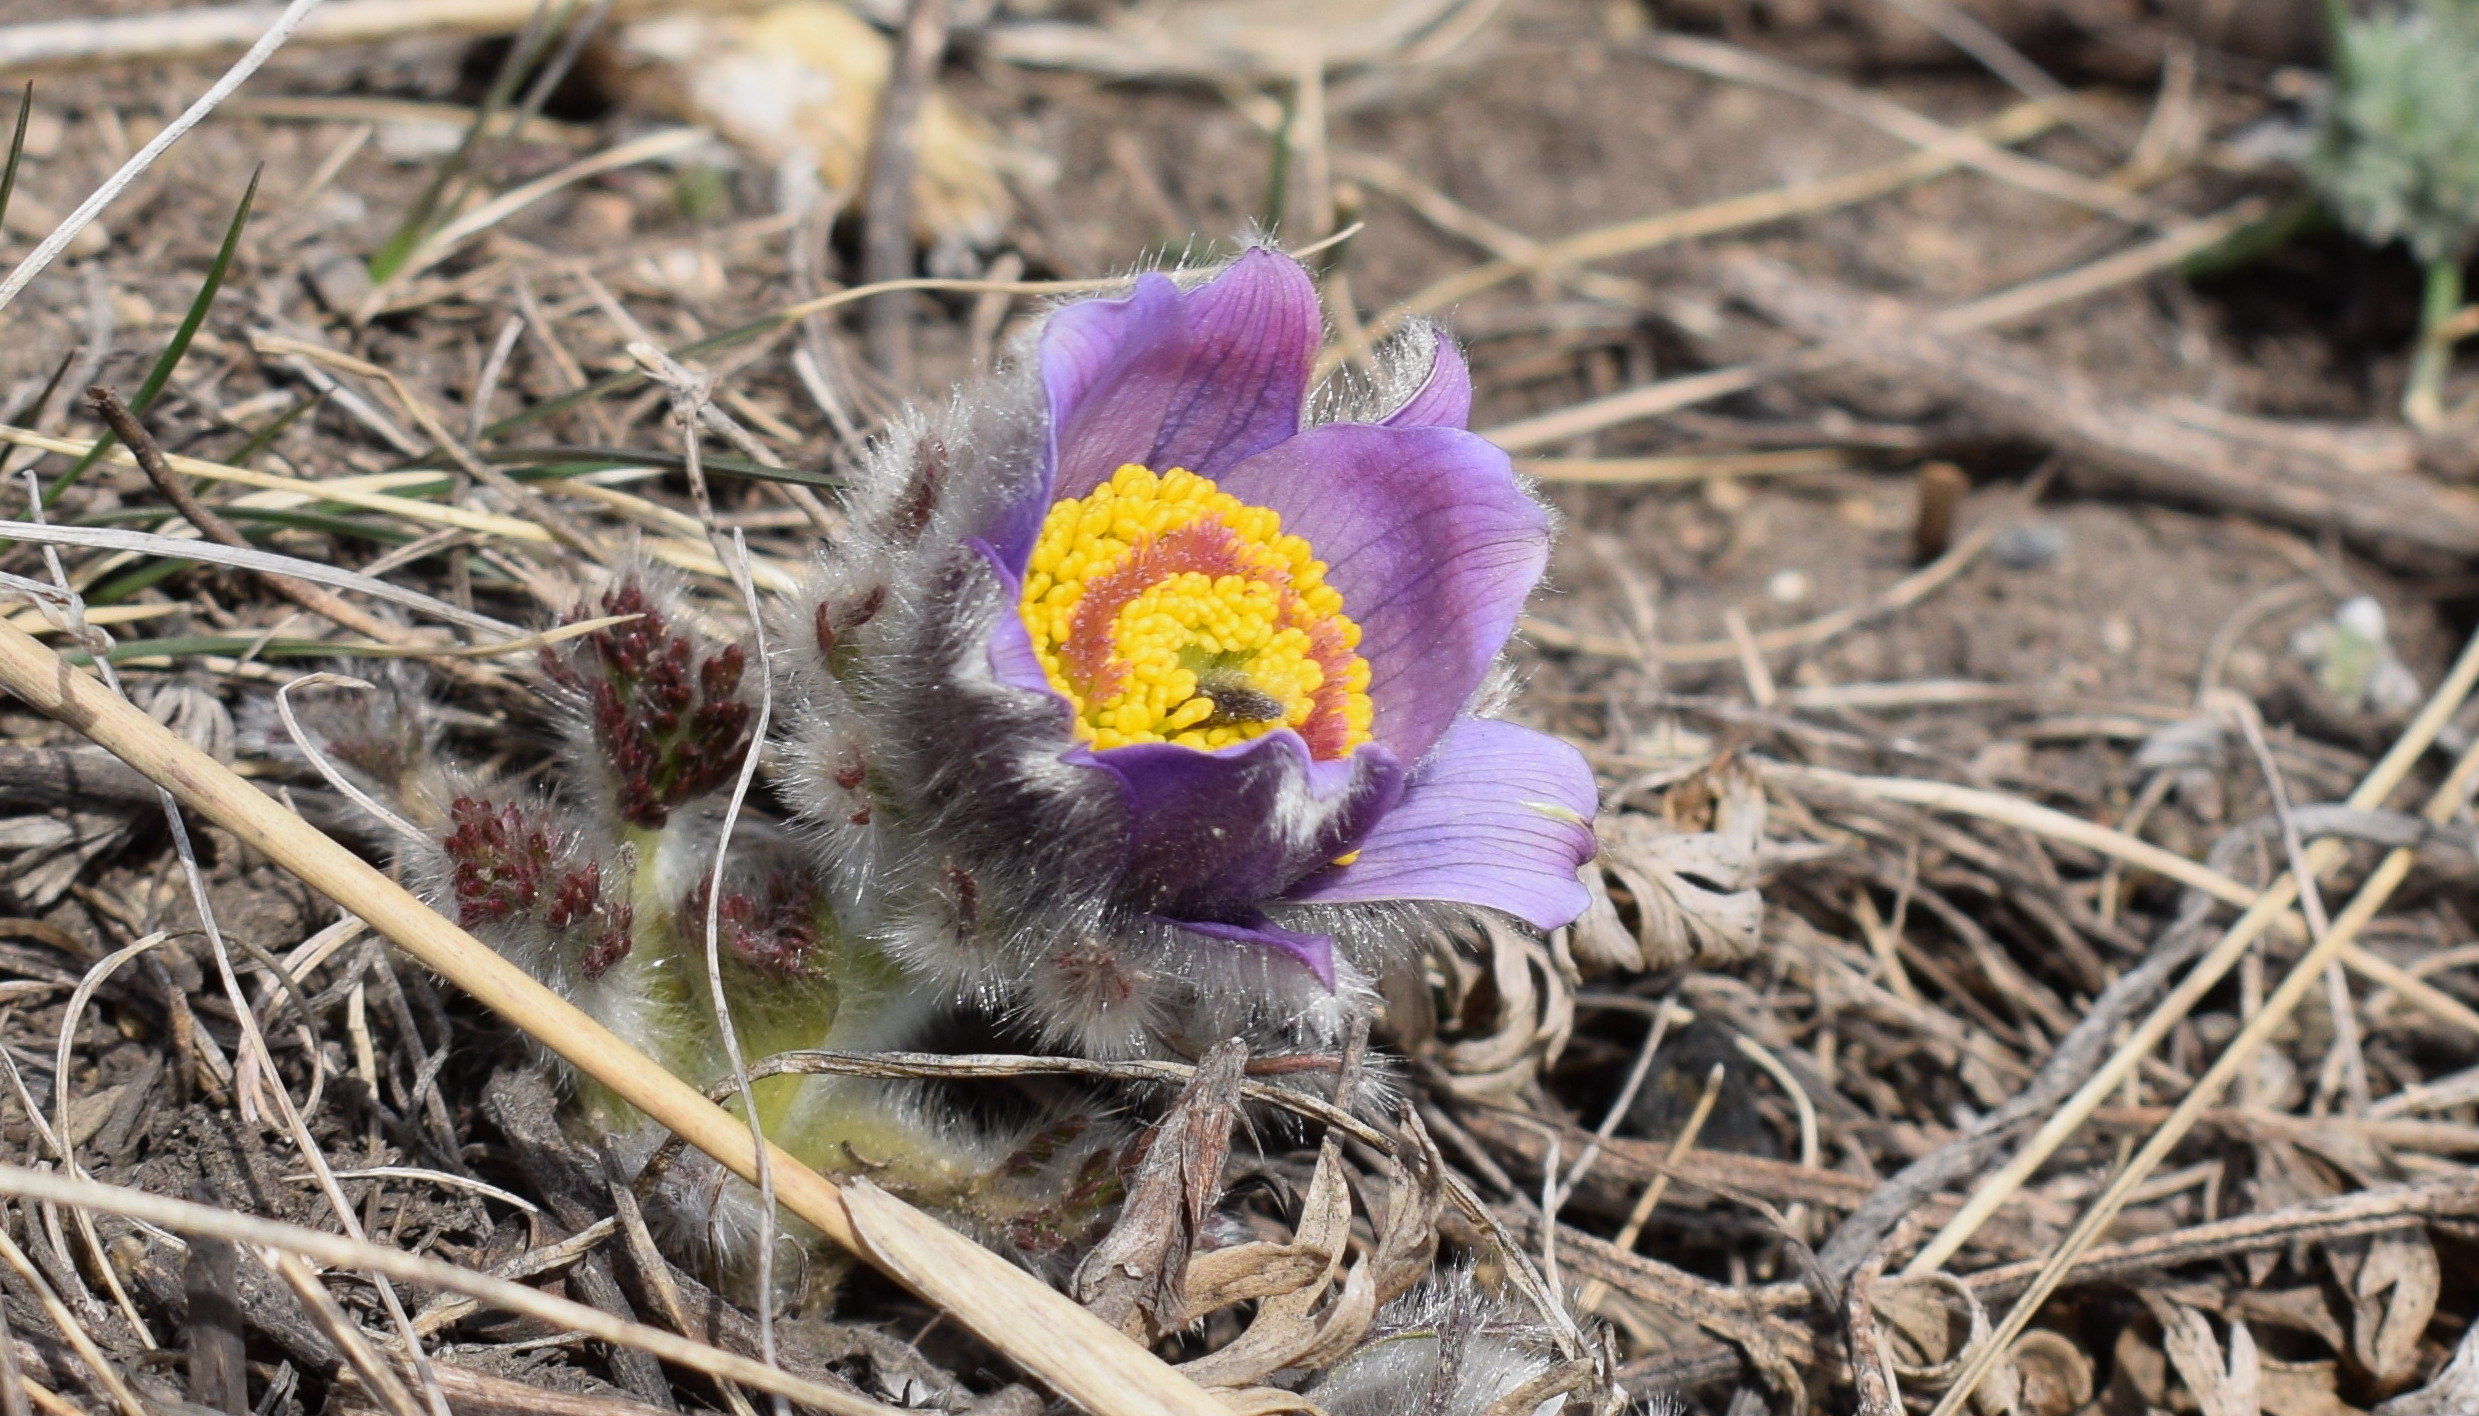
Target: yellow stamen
{"type": "Point", "coordinates": [1207, 626]}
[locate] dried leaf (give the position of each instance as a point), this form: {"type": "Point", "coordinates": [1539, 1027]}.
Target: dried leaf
{"type": "Point", "coordinates": [2303, 1309]}
{"type": "Point", "coordinates": [1564, 1379]}
{"type": "Point", "coordinates": [2391, 1279]}
{"type": "Point", "coordinates": [1407, 1232]}
{"type": "Point", "coordinates": [1513, 1023]}
{"type": "Point", "coordinates": [1218, 1278]}
{"type": "Point", "coordinates": [2284, 1176]}
{"type": "Point", "coordinates": [1693, 891]}
{"type": "Point", "coordinates": [2454, 1392]}
{"type": "Point", "coordinates": [1532, 1016]}
{"type": "Point", "coordinates": [2056, 1376]}
{"type": "Point", "coordinates": [2231, 1391]}
{"type": "Point", "coordinates": [2303, 1389]}
{"type": "Point", "coordinates": [2139, 1373]}
{"type": "Point", "coordinates": [1343, 1324]}
{"type": "Point", "coordinates": [1137, 1278]}
{"type": "Point", "coordinates": [1920, 1328]}
{"type": "Point", "coordinates": [27, 833]}
{"type": "Point", "coordinates": [1284, 1327]}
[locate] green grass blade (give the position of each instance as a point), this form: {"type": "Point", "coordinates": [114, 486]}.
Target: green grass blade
{"type": "Point", "coordinates": [170, 359]}
{"type": "Point", "coordinates": [260, 440]}
{"type": "Point", "coordinates": [173, 352]}
{"type": "Point", "coordinates": [446, 188]}
{"type": "Point", "coordinates": [532, 464]}
{"type": "Point", "coordinates": [42, 401]}
{"type": "Point", "coordinates": [135, 579]}
{"type": "Point", "coordinates": [17, 149]}
{"type": "Point", "coordinates": [287, 520]}
{"type": "Point", "coordinates": [563, 460]}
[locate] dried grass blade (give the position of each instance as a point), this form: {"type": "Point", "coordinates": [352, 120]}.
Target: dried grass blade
{"type": "Point", "coordinates": [103, 196]}
{"type": "Point", "coordinates": [377, 1378]}
{"type": "Point", "coordinates": [2268, 907]}
{"type": "Point", "coordinates": [336, 1251]}
{"type": "Point", "coordinates": [2308, 972]}
{"type": "Point", "coordinates": [2009, 810]}
{"type": "Point", "coordinates": [443, 243]}
{"type": "Point", "coordinates": [344, 491]}
{"type": "Point", "coordinates": [80, 1340]}
{"type": "Point", "coordinates": [105, 538]}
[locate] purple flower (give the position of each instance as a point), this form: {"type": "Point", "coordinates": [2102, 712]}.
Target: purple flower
{"type": "Point", "coordinates": [1200, 677]}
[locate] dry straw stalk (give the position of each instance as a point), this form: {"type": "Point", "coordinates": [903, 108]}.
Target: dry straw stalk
{"type": "Point", "coordinates": [1042, 1331]}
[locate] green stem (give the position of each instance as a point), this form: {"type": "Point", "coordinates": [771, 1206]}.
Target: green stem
{"type": "Point", "coordinates": [2423, 400]}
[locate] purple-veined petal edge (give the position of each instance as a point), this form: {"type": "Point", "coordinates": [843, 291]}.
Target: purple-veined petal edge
{"type": "Point", "coordinates": [1499, 817]}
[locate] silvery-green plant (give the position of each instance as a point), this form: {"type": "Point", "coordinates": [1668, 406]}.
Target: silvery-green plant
{"type": "Point", "coordinates": [2399, 156]}
{"type": "Point", "coordinates": [1140, 708]}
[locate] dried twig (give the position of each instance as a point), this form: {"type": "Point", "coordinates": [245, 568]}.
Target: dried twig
{"type": "Point", "coordinates": [1650, 1200]}
{"type": "Point", "coordinates": [325, 604]}
{"type": "Point", "coordinates": [2268, 907]}
{"type": "Point", "coordinates": [338, 1251]}
{"type": "Point", "coordinates": [2017, 124]}
{"type": "Point", "coordinates": [1724, 61]}
{"type": "Point", "coordinates": [1909, 590]}
{"type": "Point", "coordinates": [2294, 474]}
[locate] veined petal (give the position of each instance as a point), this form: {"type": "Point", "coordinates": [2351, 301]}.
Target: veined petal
{"type": "Point", "coordinates": [1165, 379]}
{"type": "Point", "coordinates": [1212, 834]}
{"type": "Point", "coordinates": [1432, 544]}
{"type": "Point", "coordinates": [1444, 398]}
{"type": "Point", "coordinates": [1500, 817]}
{"type": "Point", "coordinates": [1314, 950]}
{"type": "Point", "coordinates": [1096, 358]}
{"type": "Point", "coordinates": [1255, 331]}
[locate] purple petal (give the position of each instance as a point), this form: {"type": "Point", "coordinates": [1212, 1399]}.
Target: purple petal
{"type": "Point", "coordinates": [1167, 380]}
{"type": "Point", "coordinates": [1212, 835]}
{"type": "Point", "coordinates": [1499, 818]}
{"type": "Point", "coordinates": [1256, 328]}
{"type": "Point", "coordinates": [1091, 353]}
{"type": "Point", "coordinates": [1012, 660]}
{"type": "Point", "coordinates": [1314, 950]}
{"type": "Point", "coordinates": [1433, 545]}
{"type": "Point", "coordinates": [1444, 398]}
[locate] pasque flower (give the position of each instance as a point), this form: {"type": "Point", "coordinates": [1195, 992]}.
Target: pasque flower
{"type": "Point", "coordinates": [1156, 711]}
{"type": "Point", "coordinates": [1138, 709]}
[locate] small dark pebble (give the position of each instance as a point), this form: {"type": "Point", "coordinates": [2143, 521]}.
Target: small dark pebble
{"type": "Point", "coordinates": [2028, 545]}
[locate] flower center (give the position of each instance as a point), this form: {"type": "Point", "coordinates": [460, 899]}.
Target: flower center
{"type": "Point", "coordinates": [1167, 610]}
